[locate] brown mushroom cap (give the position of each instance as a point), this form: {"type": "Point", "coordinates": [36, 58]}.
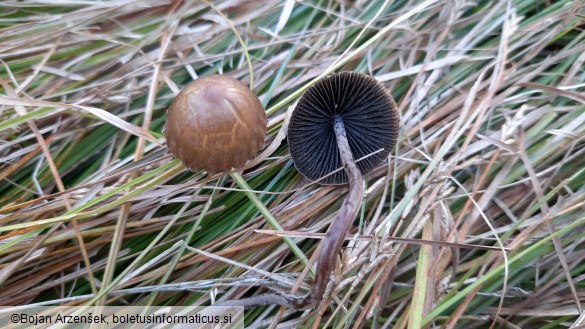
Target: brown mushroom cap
{"type": "Point", "coordinates": [368, 113]}
{"type": "Point", "coordinates": [216, 124]}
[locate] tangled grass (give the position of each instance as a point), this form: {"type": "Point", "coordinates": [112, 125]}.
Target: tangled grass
{"type": "Point", "coordinates": [476, 220]}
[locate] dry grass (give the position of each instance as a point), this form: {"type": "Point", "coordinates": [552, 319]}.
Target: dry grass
{"type": "Point", "coordinates": [490, 162]}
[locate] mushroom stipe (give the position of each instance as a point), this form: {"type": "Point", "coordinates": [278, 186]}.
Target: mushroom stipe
{"type": "Point", "coordinates": [343, 117]}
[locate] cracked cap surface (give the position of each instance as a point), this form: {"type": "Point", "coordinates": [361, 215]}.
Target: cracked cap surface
{"type": "Point", "coordinates": [216, 124]}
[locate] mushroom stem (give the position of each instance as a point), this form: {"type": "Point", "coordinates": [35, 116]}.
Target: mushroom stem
{"type": "Point", "coordinates": [332, 241]}
{"type": "Point", "coordinates": [342, 223]}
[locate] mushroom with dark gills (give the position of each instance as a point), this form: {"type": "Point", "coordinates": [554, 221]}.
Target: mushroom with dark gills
{"type": "Point", "coordinates": [347, 120]}
{"type": "Point", "coordinates": [342, 128]}
{"type": "Point", "coordinates": [216, 124]}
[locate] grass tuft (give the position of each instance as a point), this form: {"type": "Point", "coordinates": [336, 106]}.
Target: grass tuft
{"type": "Point", "coordinates": [476, 221]}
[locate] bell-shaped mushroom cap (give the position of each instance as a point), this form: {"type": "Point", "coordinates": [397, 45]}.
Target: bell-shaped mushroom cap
{"type": "Point", "coordinates": [369, 116]}
{"type": "Point", "coordinates": [216, 124]}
